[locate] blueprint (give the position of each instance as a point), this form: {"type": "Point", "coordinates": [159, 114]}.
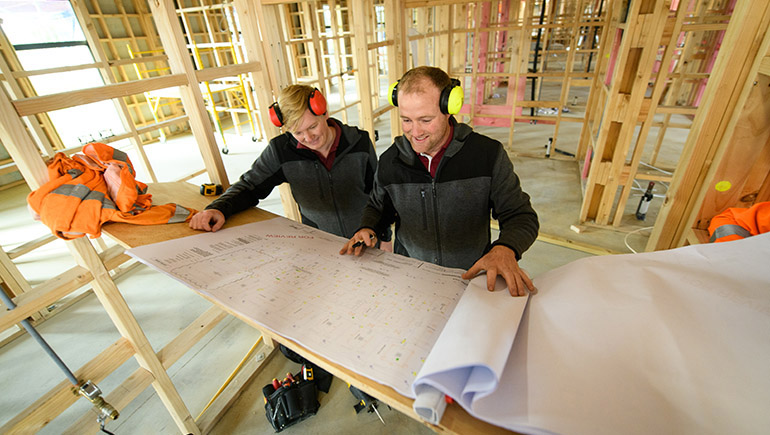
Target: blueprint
{"type": "Point", "coordinates": [378, 315]}
{"type": "Point", "coordinates": [663, 342]}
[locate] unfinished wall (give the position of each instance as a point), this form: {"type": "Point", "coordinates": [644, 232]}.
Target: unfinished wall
{"type": "Point", "coordinates": [525, 65]}
{"type": "Point", "coordinates": [655, 65]}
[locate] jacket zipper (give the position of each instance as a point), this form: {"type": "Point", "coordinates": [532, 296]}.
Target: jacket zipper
{"type": "Point", "coordinates": [318, 180]}
{"type": "Point", "coordinates": [334, 202]}
{"type": "Point", "coordinates": [438, 259]}
{"type": "Point", "coordinates": [424, 210]}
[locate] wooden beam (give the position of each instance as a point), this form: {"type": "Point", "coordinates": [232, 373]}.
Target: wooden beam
{"type": "Point", "coordinates": [214, 73]}
{"type": "Point", "coordinates": [764, 67]}
{"type": "Point", "coordinates": [647, 113]}
{"type": "Point", "coordinates": [63, 100]}
{"type": "Point", "coordinates": [364, 79]}
{"type": "Point", "coordinates": [577, 246]}
{"type": "Point", "coordinates": [24, 152]}
{"type": "Point", "coordinates": [31, 122]}
{"type": "Point", "coordinates": [108, 76]}
{"type": "Point", "coordinates": [21, 87]}
{"type": "Point", "coordinates": [31, 245]}
{"type": "Point", "coordinates": [54, 289]}
{"type": "Point", "coordinates": [250, 19]}
{"type": "Point", "coordinates": [638, 47]}
{"type": "Point", "coordinates": [681, 110]}
{"type": "Point", "coordinates": [211, 416]}
{"type": "Point", "coordinates": [394, 29]}
{"type": "Point", "coordinates": [429, 3]}
{"type": "Point", "coordinates": [118, 310]}
{"type": "Point", "coordinates": [170, 32]}
{"type": "Point", "coordinates": [273, 46]}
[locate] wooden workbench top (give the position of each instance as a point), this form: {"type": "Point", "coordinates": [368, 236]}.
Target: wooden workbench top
{"type": "Point", "coordinates": [456, 419]}
{"type": "Point", "coordinates": [182, 193]}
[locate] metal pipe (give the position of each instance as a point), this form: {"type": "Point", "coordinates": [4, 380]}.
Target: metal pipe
{"type": "Point", "coordinates": [534, 61]}
{"type": "Point", "coordinates": [33, 332]}
{"type": "Point", "coordinates": [593, 38]}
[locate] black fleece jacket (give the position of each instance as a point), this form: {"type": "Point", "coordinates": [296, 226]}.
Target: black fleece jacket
{"type": "Point", "coordinates": [445, 220]}
{"type": "Point", "coordinates": [332, 201]}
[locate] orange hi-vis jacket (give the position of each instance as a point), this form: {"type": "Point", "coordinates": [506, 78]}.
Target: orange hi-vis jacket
{"type": "Point", "coordinates": [738, 223]}
{"type": "Point", "coordinates": [98, 186]}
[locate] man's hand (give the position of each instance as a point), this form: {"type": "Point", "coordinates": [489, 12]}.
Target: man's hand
{"type": "Point", "coordinates": [501, 260]}
{"type": "Point", "coordinates": [207, 220]}
{"type": "Point", "coordinates": [359, 242]}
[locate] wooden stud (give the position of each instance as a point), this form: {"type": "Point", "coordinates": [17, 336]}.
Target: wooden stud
{"type": "Point", "coordinates": [192, 99]}
{"type": "Point", "coordinates": [644, 28]}
{"type": "Point", "coordinates": [16, 92]}
{"type": "Point", "coordinates": [394, 23]}
{"type": "Point", "coordinates": [365, 121]}
{"type": "Point", "coordinates": [661, 79]}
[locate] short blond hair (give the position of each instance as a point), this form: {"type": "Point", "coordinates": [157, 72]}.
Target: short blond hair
{"type": "Point", "coordinates": [293, 102]}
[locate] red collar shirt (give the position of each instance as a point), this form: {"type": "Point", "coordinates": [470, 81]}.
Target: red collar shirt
{"type": "Point", "coordinates": [431, 164]}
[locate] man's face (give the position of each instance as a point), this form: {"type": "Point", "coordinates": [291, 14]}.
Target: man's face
{"type": "Point", "coordinates": [313, 132]}
{"type": "Point", "coordinates": [426, 128]}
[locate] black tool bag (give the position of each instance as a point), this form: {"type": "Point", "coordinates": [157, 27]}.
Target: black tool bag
{"type": "Point", "coordinates": [291, 403]}
{"type": "Point", "coordinates": [323, 379]}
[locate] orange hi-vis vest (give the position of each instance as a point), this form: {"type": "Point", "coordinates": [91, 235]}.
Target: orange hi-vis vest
{"type": "Point", "coordinates": [738, 223]}
{"type": "Point", "coordinates": [98, 186]}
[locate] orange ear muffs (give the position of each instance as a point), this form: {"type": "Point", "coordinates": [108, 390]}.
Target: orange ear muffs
{"type": "Point", "coordinates": [316, 102]}
{"type": "Point", "coordinates": [276, 117]}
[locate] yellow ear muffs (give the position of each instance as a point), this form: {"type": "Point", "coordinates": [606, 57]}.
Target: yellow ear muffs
{"type": "Point", "coordinates": [450, 101]}
{"type": "Point", "coordinates": [393, 94]}
{"type": "Point", "coordinates": [452, 97]}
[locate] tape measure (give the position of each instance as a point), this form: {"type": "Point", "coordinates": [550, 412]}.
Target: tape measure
{"type": "Point", "coordinates": [211, 189]}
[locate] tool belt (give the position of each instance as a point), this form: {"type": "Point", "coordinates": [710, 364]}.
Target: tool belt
{"type": "Point", "coordinates": [322, 378]}
{"type": "Point", "coordinates": [293, 401]}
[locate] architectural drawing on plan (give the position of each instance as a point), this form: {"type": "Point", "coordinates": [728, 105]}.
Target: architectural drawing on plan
{"type": "Point", "coordinates": [378, 314]}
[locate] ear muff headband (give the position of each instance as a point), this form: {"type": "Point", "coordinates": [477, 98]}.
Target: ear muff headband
{"type": "Point", "coordinates": [450, 101]}
{"type": "Point", "coordinates": [316, 102]}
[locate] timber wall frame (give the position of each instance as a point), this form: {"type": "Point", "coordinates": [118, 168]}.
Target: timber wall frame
{"type": "Point", "coordinates": [656, 63]}
{"type": "Point", "coordinates": [328, 43]}
{"type": "Point", "coordinates": [368, 41]}
{"type": "Point", "coordinates": [537, 55]}
{"type": "Point", "coordinates": [518, 61]}
{"type": "Point", "coordinates": [532, 52]}
{"type": "Point", "coordinates": [93, 268]}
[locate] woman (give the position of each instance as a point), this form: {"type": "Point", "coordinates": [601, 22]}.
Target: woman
{"type": "Point", "coordinates": [329, 165]}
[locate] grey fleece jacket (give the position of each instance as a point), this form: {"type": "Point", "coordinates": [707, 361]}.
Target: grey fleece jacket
{"type": "Point", "coordinates": [332, 201]}
{"type": "Point", "coordinates": [445, 220]}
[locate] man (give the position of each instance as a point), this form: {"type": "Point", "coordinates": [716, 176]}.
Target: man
{"type": "Point", "coordinates": [329, 165]}
{"type": "Point", "coordinates": [438, 183]}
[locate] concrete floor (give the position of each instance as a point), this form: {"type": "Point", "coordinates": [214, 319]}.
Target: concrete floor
{"type": "Point", "coordinates": [164, 307]}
